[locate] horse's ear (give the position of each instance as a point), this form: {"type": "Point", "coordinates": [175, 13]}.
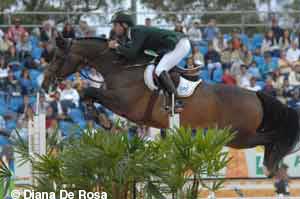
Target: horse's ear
{"type": "Point", "coordinates": [60, 41]}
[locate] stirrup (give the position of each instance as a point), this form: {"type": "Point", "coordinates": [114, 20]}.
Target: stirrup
{"type": "Point", "coordinates": [172, 106]}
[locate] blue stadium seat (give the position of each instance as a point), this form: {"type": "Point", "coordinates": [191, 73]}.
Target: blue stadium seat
{"type": "Point", "coordinates": [76, 115]}
{"type": "Point", "coordinates": [203, 49]}
{"type": "Point", "coordinates": [32, 99]}
{"type": "Point", "coordinates": [15, 103]}
{"type": "Point", "coordinates": [11, 125]}
{"type": "Point", "coordinates": [68, 128]}
{"type": "Point", "coordinates": [34, 74]}
{"type": "Point", "coordinates": [259, 60]}
{"type": "Point", "coordinates": [3, 141]}
{"type": "Point", "coordinates": [217, 75]}
{"type": "Point", "coordinates": [257, 40]}
{"type": "Point", "coordinates": [245, 40]}
{"type": "Point", "coordinates": [3, 109]}
{"type": "Point", "coordinates": [227, 37]}
{"type": "Point", "coordinates": [17, 74]}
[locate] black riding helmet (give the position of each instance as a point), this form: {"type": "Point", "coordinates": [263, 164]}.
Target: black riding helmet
{"type": "Point", "coordinates": [122, 17]}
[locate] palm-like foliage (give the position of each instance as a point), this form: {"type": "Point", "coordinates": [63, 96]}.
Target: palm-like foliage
{"type": "Point", "coordinates": [102, 161]}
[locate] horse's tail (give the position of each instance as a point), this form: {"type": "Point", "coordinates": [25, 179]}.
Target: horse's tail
{"type": "Point", "coordinates": [282, 125]}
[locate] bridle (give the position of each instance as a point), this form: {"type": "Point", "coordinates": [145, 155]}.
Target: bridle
{"type": "Point", "coordinates": [66, 58]}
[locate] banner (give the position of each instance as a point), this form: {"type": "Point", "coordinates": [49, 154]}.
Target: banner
{"type": "Point", "coordinates": [249, 163]}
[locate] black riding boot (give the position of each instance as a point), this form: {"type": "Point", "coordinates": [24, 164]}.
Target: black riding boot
{"type": "Point", "coordinates": [168, 85]}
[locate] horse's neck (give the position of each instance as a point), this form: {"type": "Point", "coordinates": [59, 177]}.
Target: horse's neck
{"type": "Point", "coordinates": [127, 88]}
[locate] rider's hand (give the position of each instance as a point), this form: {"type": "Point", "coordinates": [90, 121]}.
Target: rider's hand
{"type": "Point", "coordinates": [113, 44]}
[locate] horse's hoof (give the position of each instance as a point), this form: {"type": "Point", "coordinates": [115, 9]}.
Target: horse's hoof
{"type": "Point", "coordinates": [266, 171]}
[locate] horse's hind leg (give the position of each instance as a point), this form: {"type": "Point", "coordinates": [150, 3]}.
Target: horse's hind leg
{"type": "Point", "coordinates": [272, 158]}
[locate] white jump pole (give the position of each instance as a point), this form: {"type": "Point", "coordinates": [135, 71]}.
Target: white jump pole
{"type": "Point", "coordinates": [174, 118]}
{"type": "Point", "coordinates": [37, 134]}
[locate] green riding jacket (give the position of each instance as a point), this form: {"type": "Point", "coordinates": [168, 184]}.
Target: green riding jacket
{"type": "Point", "coordinates": [141, 38]}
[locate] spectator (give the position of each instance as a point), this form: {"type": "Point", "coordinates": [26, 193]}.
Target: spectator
{"type": "Point", "coordinates": [297, 39]}
{"type": "Point", "coordinates": [285, 41]}
{"type": "Point", "coordinates": [148, 22]}
{"type": "Point", "coordinates": [269, 88]}
{"type": "Point", "coordinates": [43, 105]}
{"type": "Point", "coordinates": [1, 33]}
{"type": "Point", "coordinates": [243, 80]}
{"type": "Point", "coordinates": [179, 28]}
{"type": "Point", "coordinates": [277, 79]}
{"type": "Point", "coordinates": [226, 56]}
{"type": "Point", "coordinates": [253, 70]}
{"type": "Point", "coordinates": [246, 55]}
{"type": "Point", "coordinates": [286, 89]}
{"type": "Point", "coordinates": [57, 106]}
{"type": "Point", "coordinates": [293, 54]}
{"type": "Point", "coordinates": [84, 30]}
{"type": "Point", "coordinates": [292, 76]}
{"type": "Point", "coordinates": [253, 85]}
{"type": "Point", "coordinates": [228, 78]}
{"type": "Point", "coordinates": [211, 31]}
{"type": "Point", "coordinates": [12, 54]}
{"type": "Point", "coordinates": [53, 128]}
{"type": "Point", "coordinates": [278, 32]}
{"type": "Point", "coordinates": [14, 32]}
{"type": "Point", "coordinates": [197, 57]}
{"type": "Point", "coordinates": [25, 106]}
{"type": "Point", "coordinates": [23, 47]}
{"type": "Point", "coordinates": [3, 126]}
{"type": "Point", "coordinates": [194, 33]}
{"type": "Point", "coordinates": [70, 95]}
{"type": "Point", "coordinates": [25, 82]}
{"type": "Point", "coordinates": [294, 101]}
{"type": "Point", "coordinates": [13, 86]}
{"type": "Point", "coordinates": [236, 41]}
{"type": "Point", "coordinates": [212, 56]}
{"type": "Point", "coordinates": [5, 44]}
{"type": "Point", "coordinates": [283, 63]}
{"type": "Point", "coordinates": [282, 181]}
{"type": "Point", "coordinates": [68, 31]}
{"type": "Point", "coordinates": [48, 32]}
{"type": "Point", "coordinates": [220, 44]}
{"type": "Point", "coordinates": [270, 44]}
{"type": "Point", "coordinates": [3, 73]}
{"type": "Point", "coordinates": [37, 52]}
{"type": "Point", "coordinates": [269, 65]}
{"type": "Point", "coordinates": [50, 116]}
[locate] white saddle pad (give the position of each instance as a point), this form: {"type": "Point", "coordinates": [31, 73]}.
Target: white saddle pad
{"type": "Point", "coordinates": [185, 88]}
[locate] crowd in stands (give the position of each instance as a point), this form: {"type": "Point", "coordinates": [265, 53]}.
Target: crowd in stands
{"type": "Point", "coordinates": [24, 54]}
{"type": "Point", "coordinates": [268, 62]}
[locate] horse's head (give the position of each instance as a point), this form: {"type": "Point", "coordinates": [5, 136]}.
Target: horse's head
{"type": "Point", "coordinates": [62, 64]}
{"type": "Point", "coordinates": [68, 57]}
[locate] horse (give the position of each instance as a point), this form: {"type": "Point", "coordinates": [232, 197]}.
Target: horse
{"type": "Point", "coordinates": [256, 118]}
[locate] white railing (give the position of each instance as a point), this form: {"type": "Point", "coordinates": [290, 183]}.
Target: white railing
{"type": "Point", "coordinates": [242, 14]}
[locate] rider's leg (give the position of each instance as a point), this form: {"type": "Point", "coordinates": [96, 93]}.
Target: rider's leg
{"type": "Point", "coordinates": [170, 60]}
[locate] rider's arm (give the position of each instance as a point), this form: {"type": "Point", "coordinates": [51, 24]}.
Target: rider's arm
{"type": "Point", "coordinates": [131, 49]}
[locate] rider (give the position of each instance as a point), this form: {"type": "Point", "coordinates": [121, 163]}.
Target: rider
{"type": "Point", "coordinates": [139, 38]}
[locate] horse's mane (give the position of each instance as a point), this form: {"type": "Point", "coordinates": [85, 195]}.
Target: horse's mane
{"type": "Point", "coordinates": [92, 38]}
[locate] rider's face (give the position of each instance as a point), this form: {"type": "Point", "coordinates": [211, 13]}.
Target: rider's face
{"type": "Point", "coordinates": [118, 29]}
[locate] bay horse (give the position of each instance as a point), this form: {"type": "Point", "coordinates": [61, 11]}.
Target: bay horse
{"type": "Point", "coordinates": [256, 118]}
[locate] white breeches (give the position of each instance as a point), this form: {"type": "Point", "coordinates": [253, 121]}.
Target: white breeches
{"type": "Point", "coordinates": [174, 57]}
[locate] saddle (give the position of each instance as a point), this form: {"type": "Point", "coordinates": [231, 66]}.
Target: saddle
{"type": "Point", "coordinates": [185, 80]}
